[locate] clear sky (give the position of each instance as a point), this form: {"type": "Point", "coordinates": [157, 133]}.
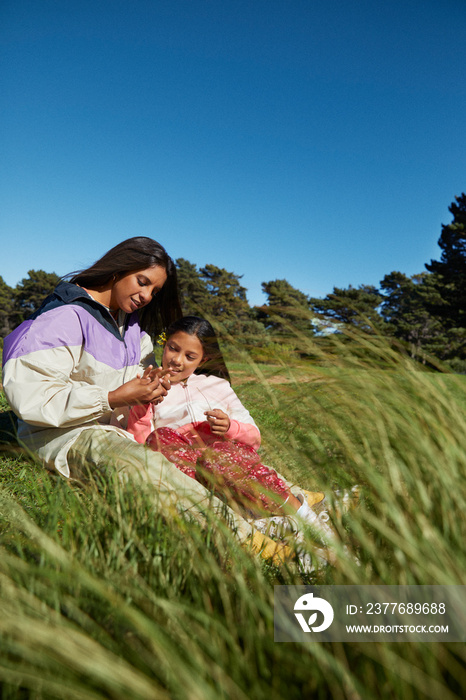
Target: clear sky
{"type": "Point", "coordinates": [320, 141]}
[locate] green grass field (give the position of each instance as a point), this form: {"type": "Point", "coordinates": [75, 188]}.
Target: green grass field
{"type": "Point", "coordinates": [102, 597]}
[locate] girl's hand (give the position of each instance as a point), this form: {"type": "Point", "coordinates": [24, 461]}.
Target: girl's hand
{"type": "Point", "coordinates": [150, 388]}
{"type": "Point", "coordinates": [218, 421]}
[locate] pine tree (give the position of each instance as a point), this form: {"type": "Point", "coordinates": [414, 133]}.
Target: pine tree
{"type": "Point", "coordinates": [352, 306]}
{"type": "Point", "coordinates": [6, 308]}
{"type": "Point", "coordinates": [228, 296]}
{"type": "Point", "coordinates": [405, 308]}
{"type": "Point", "coordinates": [287, 308]}
{"type": "Point", "coordinates": [450, 270]}
{"type": "Point", "coordinates": [31, 292]}
{"type": "Point", "coordinates": [194, 294]}
{"type": "Point", "coordinates": [230, 306]}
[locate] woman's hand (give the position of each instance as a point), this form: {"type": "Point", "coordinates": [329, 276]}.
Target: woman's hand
{"type": "Point", "coordinates": [165, 385]}
{"type": "Point", "coordinates": [218, 421]}
{"type": "Point", "coordinates": [152, 387]}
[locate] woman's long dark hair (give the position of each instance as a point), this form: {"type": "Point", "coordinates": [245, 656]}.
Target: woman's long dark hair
{"type": "Point", "coordinates": [202, 329]}
{"type": "Point", "coordinates": [132, 255]}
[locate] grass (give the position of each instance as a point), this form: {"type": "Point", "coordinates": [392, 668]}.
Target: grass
{"type": "Point", "coordinates": [101, 596]}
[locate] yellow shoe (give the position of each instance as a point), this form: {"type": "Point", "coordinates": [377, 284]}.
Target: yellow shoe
{"type": "Point", "coordinates": [313, 497]}
{"type": "Point", "coordinates": [269, 549]}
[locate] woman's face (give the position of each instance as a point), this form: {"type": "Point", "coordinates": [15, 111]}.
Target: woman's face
{"type": "Point", "coordinates": [136, 289]}
{"type": "Point", "coordinates": [182, 355]}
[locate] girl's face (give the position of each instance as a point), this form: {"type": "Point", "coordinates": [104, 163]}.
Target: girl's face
{"type": "Point", "coordinates": [136, 289]}
{"type": "Point", "coordinates": [183, 353]}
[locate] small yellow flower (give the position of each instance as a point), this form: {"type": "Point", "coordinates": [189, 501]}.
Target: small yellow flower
{"type": "Point", "coordinates": [162, 339]}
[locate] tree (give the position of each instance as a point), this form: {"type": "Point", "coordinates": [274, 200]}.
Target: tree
{"type": "Point", "coordinates": [6, 308]}
{"type": "Point", "coordinates": [449, 275]}
{"type": "Point", "coordinates": [351, 306]}
{"type": "Point", "coordinates": [228, 295]}
{"type": "Point", "coordinates": [286, 308]}
{"type": "Point", "coordinates": [405, 308]}
{"type": "Point", "coordinates": [450, 270]}
{"type": "Point", "coordinates": [194, 294]}
{"type": "Point", "coordinates": [31, 292]}
{"type": "Point", "coordinates": [229, 304]}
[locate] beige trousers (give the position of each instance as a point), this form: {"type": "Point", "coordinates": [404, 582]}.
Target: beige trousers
{"type": "Point", "coordinates": [100, 450]}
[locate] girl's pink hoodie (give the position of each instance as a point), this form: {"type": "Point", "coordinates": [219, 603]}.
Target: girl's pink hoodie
{"type": "Point", "coordinates": [184, 407]}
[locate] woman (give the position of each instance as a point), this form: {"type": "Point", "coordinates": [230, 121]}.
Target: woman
{"type": "Point", "coordinates": [73, 369]}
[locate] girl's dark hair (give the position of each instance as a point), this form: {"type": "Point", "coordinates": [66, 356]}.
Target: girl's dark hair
{"type": "Point", "coordinates": [132, 255]}
{"type": "Point", "coordinates": [202, 329]}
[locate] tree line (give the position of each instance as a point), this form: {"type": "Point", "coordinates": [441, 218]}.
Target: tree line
{"type": "Point", "coordinates": [426, 312]}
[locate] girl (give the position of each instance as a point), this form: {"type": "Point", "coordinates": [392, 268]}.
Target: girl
{"type": "Point", "coordinates": [204, 429]}
{"type": "Point", "coordinates": [73, 369]}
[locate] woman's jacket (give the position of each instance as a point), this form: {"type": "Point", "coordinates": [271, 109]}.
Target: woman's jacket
{"type": "Point", "coordinates": [60, 364]}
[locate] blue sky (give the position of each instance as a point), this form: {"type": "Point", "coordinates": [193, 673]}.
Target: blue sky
{"type": "Point", "coordinates": [320, 141]}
